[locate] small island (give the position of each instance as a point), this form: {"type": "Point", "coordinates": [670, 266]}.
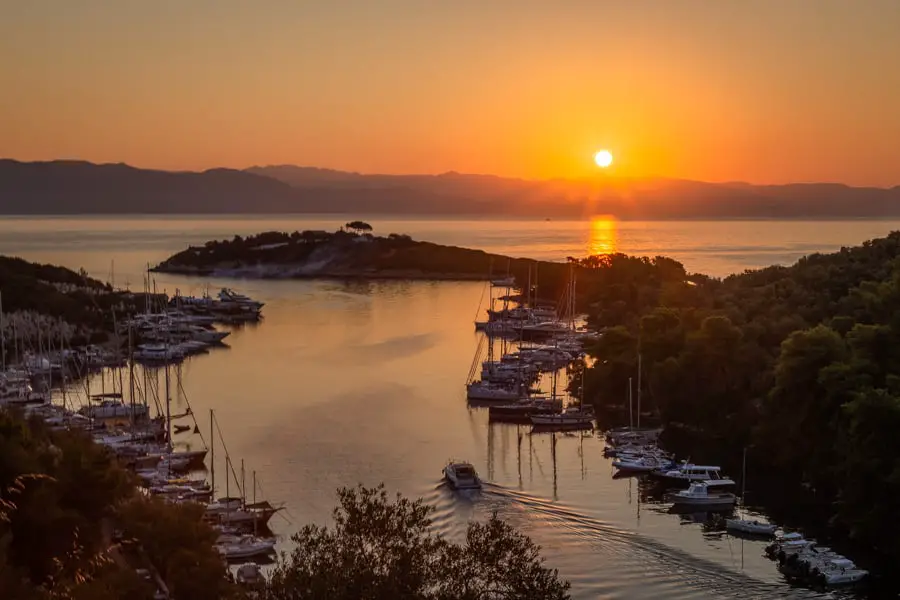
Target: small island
{"type": "Point", "coordinates": [351, 252]}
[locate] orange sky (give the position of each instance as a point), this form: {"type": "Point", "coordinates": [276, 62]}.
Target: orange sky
{"type": "Point", "coordinates": [754, 90]}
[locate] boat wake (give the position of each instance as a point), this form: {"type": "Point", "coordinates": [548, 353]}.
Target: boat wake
{"type": "Point", "coordinates": [599, 559]}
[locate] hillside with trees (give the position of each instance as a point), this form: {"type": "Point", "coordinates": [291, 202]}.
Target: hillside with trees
{"type": "Point", "coordinates": [800, 364]}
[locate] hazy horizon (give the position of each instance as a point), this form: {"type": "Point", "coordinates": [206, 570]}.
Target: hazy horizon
{"type": "Point", "coordinates": [761, 91]}
{"type": "Point", "coordinates": [598, 176]}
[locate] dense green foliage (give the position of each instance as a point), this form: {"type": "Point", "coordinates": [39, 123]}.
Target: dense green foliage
{"type": "Point", "coordinates": [801, 362]}
{"type": "Point", "coordinates": [381, 549]}
{"type": "Point", "coordinates": [62, 495]}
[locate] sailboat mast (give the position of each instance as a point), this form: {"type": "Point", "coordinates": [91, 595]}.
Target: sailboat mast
{"type": "Point", "coordinates": [130, 369]}
{"type": "Point", "coordinates": [212, 454]}
{"type": "Point", "coordinates": [243, 486]}
{"type": "Point", "coordinates": [639, 391]}
{"type": "Point", "coordinates": [168, 414]}
{"type": "Point", "coordinates": [630, 414]}
{"type": "Point", "coordinates": [744, 477]}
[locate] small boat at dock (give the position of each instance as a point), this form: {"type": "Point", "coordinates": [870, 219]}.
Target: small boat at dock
{"type": "Point", "coordinates": [699, 495]}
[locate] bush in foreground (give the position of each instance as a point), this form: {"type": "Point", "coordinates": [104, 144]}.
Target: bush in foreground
{"type": "Point", "coordinates": [382, 549]}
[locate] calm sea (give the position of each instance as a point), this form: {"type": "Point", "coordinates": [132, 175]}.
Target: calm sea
{"type": "Point", "coordinates": [355, 382]}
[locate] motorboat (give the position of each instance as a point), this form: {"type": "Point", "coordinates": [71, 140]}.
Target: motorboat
{"type": "Point", "coordinates": [229, 296]}
{"type": "Point", "coordinates": [641, 464]}
{"type": "Point", "coordinates": [698, 495]}
{"type": "Point", "coordinates": [751, 526]}
{"type": "Point", "coordinates": [462, 476]}
{"type": "Point", "coordinates": [688, 472]}
{"type": "Point", "coordinates": [839, 572]}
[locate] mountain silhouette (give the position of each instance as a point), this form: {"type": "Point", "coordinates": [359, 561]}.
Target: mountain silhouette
{"type": "Point", "coordinates": [78, 187]}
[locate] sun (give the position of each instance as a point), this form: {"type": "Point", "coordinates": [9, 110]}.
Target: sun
{"type": "Point", "coordinates": [603, 158]}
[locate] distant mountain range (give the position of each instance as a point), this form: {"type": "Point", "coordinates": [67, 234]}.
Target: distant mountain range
{"type": "Point", "coordinates": [76, 187]}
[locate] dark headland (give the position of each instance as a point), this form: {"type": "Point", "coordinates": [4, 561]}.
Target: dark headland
{"type": "Point", "coordinates": [350, 254]}
{"type": "Point", "coordinates": [77, 187]}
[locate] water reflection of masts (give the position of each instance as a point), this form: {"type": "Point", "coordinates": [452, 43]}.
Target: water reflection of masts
{"type": "Point", "coordinates": [490, 451]}
{"type": "Point", "coordinates": [553, 458]}
{"type": "Point", "coordinates": [519, 448]}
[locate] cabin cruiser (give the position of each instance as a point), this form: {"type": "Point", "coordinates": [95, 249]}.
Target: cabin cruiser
{"type": "Point", "coordinates": [687, 473]}
{"type": "Point", "coordinates": [229, 296]}
{"type": "Point", "coordinates": [698, 495]}
{"type": "Point", "coordinates": [462, 476]}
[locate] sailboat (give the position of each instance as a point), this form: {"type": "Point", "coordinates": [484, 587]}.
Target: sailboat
{"type": "Point", "coordinates": [744, 525]}
{"type": "Point", "coordinates": [235, 511]}
{"type": "Point", "coordinates": [579, 417]}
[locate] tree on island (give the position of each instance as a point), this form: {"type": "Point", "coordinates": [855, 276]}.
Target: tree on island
{"type": "Point", "coordinates": [359, 227]}
{"type": "Point", "coordinates": [382, 549]}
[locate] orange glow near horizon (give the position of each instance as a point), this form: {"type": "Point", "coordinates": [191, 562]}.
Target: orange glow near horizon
{"type": "Point", "coordinates": [604, 235]}
{"type": "Point", "coordinates": [684, 90]}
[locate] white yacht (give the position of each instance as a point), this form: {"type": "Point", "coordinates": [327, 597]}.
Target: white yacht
{"type": "Point", "coordinates": [698, 495]}
{"type": "Point", "coordinates": [462, 476]}
{"type": "Point", "coordinates": [688, 472]}
{"type": "Point", "coordinates": [229, 296]}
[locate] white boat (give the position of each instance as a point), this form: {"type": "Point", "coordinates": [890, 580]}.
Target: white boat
{"type": "Point", "coordinates": [751, 526]}
{"type": "Point", "coordinates": [687, 473]}
{"type": "Point", "coordinates": [481, 390]}
{"type": "Point", "coordinates": [245, 547]}
{"type": "Point", "coordinates": [462, 476]}
{"type": "Point", "coordinates": [839, 572]}
{"type": "Point", "coordinates": [641, 464]}
{"type": "Point", "coordinates": [698, 494]}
